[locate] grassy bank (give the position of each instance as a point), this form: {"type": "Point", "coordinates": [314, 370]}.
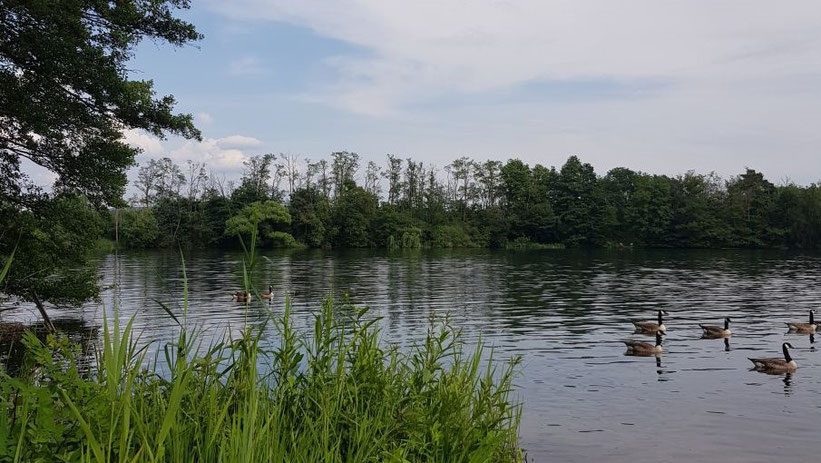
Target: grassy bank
{"type": "Point", "coordinates": [335, 394]}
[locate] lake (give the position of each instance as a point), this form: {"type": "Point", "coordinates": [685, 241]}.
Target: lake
{"type": "Point", "coordinates": [566, 313]}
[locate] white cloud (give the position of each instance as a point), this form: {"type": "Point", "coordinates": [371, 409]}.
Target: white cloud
{"type": "Point", "coordinates": [246, 66]}
{"type": "Point", "coordinates": [421, 50]}
{"type": "Point", "coordinates": [733, 83]}
{"type": "Point", "coordinates": [238, 141]}
{"type": "Point", "coordinates": [150, 145]}
{"type": "Point", "coordinates": [220, 154]}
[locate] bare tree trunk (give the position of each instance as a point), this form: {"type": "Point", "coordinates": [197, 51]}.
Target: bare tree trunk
{"type": "Point", "coordinates": [46, 320]}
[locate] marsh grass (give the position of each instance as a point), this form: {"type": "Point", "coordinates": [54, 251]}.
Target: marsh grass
{"type": "Point", "coordinates": [336, 393]}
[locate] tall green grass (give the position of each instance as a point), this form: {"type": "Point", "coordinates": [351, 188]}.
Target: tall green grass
{"type": "Point", "coordinates": [336, 393]}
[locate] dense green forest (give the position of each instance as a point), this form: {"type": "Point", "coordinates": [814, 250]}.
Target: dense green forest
{"type": "Point", "coordinates": [405, 204]}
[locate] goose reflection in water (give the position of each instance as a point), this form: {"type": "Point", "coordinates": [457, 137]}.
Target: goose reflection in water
{"type": "Point", "coordinates": [788, 389]}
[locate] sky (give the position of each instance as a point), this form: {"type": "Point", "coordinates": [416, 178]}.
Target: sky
{"type": "Point", "coordinates": [657, 86]}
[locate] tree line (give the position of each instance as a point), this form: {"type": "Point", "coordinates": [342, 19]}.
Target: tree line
{"type": "Point", "coordinates": [339, 203]}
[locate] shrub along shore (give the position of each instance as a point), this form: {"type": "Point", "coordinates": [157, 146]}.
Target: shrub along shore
{"type": "Point", "coordinates": [336, 394]}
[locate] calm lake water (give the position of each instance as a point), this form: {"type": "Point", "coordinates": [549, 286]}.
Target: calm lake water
{"type": "Point", "coordinates": [566, 313]}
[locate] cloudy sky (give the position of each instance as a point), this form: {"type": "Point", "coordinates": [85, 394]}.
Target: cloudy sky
{"type": "Point", "coordinates": [658, 86]}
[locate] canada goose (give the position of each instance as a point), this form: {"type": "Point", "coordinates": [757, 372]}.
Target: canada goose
{"type": "Point", "coordinates": [645, 348]}
{"type": "Point", "coordinates": [241, 296]}
{"type": "Point", "coordinates": [269, 294]}
{"type": "Point", "coordinates": [717, 331]}
{"type": "Point", "coordinates": [652, 327]}
{"type": "Point", "coordinates": [804, 327]}
{"type": "Point", "coordinates": [776, 365]}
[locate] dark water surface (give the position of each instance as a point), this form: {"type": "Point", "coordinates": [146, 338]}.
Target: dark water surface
{"type": "Point", "coordinates": [566, 313]}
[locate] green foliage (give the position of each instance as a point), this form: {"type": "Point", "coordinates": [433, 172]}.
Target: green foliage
{"type": "Point", "coordinates": [254, 186]}
{"type": "Point", "coordinates": [216, 210]}
{"type": "Point", "coordinates": [65, 101]}
{"type": "Point", "coordinates": [799, 210]}
{"type": "Point", "coordinates": [387, 226]}
{"type": "Point", "coordinates": [51, 259]}
{"type": "Point", "coordinates": [648, 211]}
{"type": "Point", "coordinates": [351, 214]}
{"type": "Point", "coordinates": [619, 186]}
{"type": "Point", "coordinates": [335, 395]}
{"type": "Point", "coordinates": [579, 204]}
{"type": "Point", "coordinates": [65, 93]}
{"type": "Point", "coordinates": [451, 236]}
{"type": "Point", "coordinates": [750, 203]}
{"type": "Point", "coordinates": [265, 218]}
{"type": "Point", "coordinates": [488, 204]}
{"type": "Point", "coordinates": [278, 239]}
{"type": "Point", "coordinates": [524, 243]}
{"type": "Point", "coordinates": [696, 220]}
{"type": "Point", "coordinates": [310, 210]}
{"type": "Point", "coordinates": [406, 238]}
{"type": "Point", "coordinates": [138, 228]}
{"type": "Point", "coordinates": [412, 238]}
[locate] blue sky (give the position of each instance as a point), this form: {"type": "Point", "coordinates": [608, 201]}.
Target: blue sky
{"type": "Point", "coordinates": [661, 87]}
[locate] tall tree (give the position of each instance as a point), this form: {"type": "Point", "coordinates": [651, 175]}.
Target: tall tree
{"type": "Point", "coordinates": [579, 203]}
{"type": "Point", "coordinates": [618, 187]}
{"type": "Point", "coordinates": [542, 218]}
{"type": "Point", "coordinates": [197, 179]}
{"type": "Point", "coordinates": [351, 216]}
{"type": "Point", "coordinates": [310, 211]}
{"type": "Point", "coordinates": [413, 186]}
{"type": "Point", "coordinates": [55, 239]}
{"type": "Point", "coordinates": [147, 178]}
{"type": "Point", "coordinates": [373, 173]}
{"type": "Point", "coordinates": [254, 186]}
{"type": "Point", "coordinates": [488, 177]}
{"type": "Point", "coordinates": [65, 94]}
{"type": "Point", "coordinates": [751, 199]}
{"type": "Point", "coordinates": [462, 171]}
{"type": "Point", "coordinates": [292, 173]}
{"type": "Point", "coordinates": [394, 176]}
{"type": "Point", "coordinates": [66, 98]}
{"type": "Point", "coordinates": [697, 202]}
{"type": "Point", "coordinates": [170, 179]}
{"type": "Point", "coordinates": [344, 167]}
{"type": "Point", "coordinates": [647, 212]}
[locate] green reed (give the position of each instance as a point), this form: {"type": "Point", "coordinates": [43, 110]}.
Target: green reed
{"type": "Point", "coordinates": [336, 393]}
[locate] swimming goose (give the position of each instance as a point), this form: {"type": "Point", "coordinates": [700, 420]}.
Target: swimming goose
{"type": "Point", "coordinates": [776, 365]}
{"type": "Point", "coordinates": [711, 331]}
{"type": "Point", "coordinates": [804, 327]}
{"type": "Point", "coordinates": [652, 327]}
{"type": "Point", "coordinates": [269, 294]}
{"type": "Point", "coordinates": [644, 348]}
{"type": "Point", "coordinates": [241, 296]}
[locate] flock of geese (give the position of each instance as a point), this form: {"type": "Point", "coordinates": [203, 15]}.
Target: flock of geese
{"type": "Point", "coordinates": [768, 365]}
{"type": "Point", "coordinates": [245, 296]}
{"type": "Point", "coordinates": [772, 365]}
